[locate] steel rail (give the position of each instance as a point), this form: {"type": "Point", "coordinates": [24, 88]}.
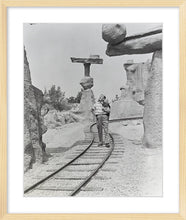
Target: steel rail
{"type": "Point", "coordinates": [78, 188]}
{"type": "Point", "coordinates": [61, 168]}
{"type": "Point", "coordinates": [87, 180]}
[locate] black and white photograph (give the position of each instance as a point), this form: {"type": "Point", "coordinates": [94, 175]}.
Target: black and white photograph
{"type": "Point", "coordinates": [93, 109]}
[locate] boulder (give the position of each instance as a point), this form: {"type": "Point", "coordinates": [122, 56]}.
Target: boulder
{"type": "Point", "coordinates": [113, 33]}
{"type": "Point", "coordinates": [87, 82]}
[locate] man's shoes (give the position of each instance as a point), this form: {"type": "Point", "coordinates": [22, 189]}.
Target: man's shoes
{"type": "Point", "coordinates": [107, 145]}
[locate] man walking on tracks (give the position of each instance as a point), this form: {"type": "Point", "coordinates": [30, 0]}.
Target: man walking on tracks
{"type": "Point", "coordinates": [101, 110]}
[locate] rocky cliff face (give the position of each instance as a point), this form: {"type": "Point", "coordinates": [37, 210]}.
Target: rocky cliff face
{"type": "Point", "coordinates": [34, 148]}
{"type": "Point", "coordinates": [152, 118]}
{"type": "Point", "coordinates": [137, 76]}
{"type": "Point", "coordinates": [145, 85]}
{"type": "Point", "coordinates": [126, 106]}
{"type": "Point", "coordinates": [126, 109]}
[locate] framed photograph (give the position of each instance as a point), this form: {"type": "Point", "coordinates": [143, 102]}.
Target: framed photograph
{"type": "Point", "coordinates": [92, 109]}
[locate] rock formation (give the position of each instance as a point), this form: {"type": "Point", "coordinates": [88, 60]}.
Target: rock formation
{"type": "Point", "coordinates": [148, 42]}
{"type": "Point", "coordinates": [152, 118]}
{"type": "Point", "coordinates": [86, 104]}
{"type": "Point", "coordinates": [141, 43]}
{"type": "Point", "coordinates": [87, 98]}
{"type": "Point", "coordinates": [87, 82]}
{"type": "Point", "coordinates": [34, 148]}
{"type": "Point", "coordinates": [125, 107]}
{"type": "Point", "coordinates": [114, 33]}
{"type": "Point", "coordinates": [55, 119]}
{"type": "Point", "coordinates": [137, 76]}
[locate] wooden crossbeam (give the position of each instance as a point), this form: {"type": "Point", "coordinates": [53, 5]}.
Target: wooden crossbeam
{"type": "Point", "coordinates": [87, 60]}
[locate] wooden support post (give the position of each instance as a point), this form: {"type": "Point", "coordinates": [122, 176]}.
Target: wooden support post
{"type": "Point", "coordinates": [87, 69]}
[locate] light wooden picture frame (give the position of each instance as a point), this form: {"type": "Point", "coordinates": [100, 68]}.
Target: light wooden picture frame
{"type": "Point", "coordinates": [4, 5]}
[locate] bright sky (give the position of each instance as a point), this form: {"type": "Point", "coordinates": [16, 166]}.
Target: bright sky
{"type": "Point", "coordinates": [50, 46]}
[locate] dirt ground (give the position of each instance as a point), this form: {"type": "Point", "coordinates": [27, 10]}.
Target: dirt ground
{"type": "Point", "coordinates": [139, 172]}
{"type": "Point", "coordinates": [62, 138]}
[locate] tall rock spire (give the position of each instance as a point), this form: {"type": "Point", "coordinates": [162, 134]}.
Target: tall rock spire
{"type": "Point", "coordinates": [27, 77]}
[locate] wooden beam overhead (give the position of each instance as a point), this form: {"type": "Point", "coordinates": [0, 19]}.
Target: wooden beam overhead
{"type": "Point", "coordinates": [87, 60]}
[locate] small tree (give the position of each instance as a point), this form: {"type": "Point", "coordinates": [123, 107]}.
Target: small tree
{"type": "Point", "coordinates": [71, 99]}
{"type": "Point", "coordinates": [76, 99]}
{"type": "Point", "coordinates": [56, 97]}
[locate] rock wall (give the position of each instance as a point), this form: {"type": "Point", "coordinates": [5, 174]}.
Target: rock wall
{"type": "Point", "coordinates": [152, 118]}
{"type": "Point", "coordinates": [145, 85]}
{"type": "Point", "coordinates": [34, 148]}
{"type": "Point", "coordinates": [125, 109]}
{"type": "Point", "coordinates": [125, 106]}
{"type": "Point", "coordinates": [137, 76]}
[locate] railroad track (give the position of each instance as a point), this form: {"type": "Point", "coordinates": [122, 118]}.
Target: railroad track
{"type": "Point", "coordinates": [65, 179]}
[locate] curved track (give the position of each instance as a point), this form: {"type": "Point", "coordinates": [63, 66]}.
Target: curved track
{"type": "Point", "coordinates": [99, 155]}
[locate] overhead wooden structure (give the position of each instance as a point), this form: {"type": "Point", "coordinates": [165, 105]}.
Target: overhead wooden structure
{"type": "Point", "coordinates": [94, 59]}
